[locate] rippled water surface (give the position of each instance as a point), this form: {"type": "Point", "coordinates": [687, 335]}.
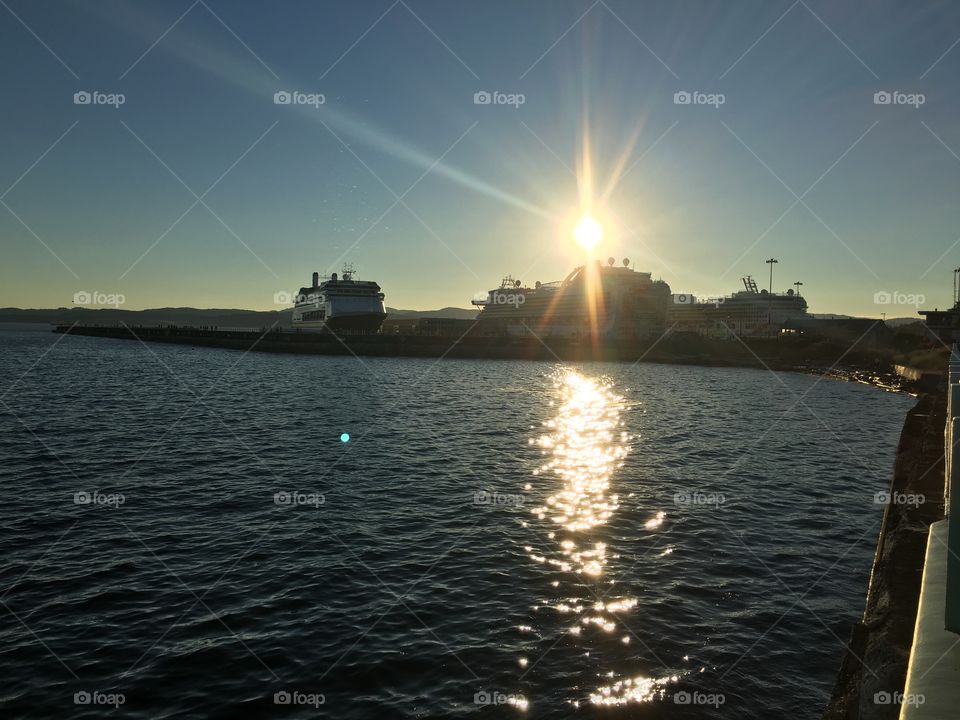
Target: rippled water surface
{"type": "Point", "coordinates": [186, 531]}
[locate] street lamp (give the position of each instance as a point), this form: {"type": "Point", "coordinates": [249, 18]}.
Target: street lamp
{"type": "Point", "coordinates": [771, 262]}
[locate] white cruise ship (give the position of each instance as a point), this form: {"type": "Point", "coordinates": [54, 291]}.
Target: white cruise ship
{"type": "Point", "coordinates": [340, 303]}
{"type": "Point", "coordinates": [751, 312]}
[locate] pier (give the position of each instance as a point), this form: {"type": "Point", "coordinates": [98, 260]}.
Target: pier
{"type": "Point", "coordinates": [797, 353]}
{"type": "Point", "coordinates": [463, 345]}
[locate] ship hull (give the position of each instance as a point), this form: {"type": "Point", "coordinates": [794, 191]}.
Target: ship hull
{"type": "Point", "coordinates": [355, 322]}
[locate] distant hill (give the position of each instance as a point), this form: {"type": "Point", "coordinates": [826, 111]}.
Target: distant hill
{"type": "Point", "coordinates": [189, 316]}
{"type": "Point", "coordinates": [892, 322]}
{"type": "Point", "coordinates": [447, 312]}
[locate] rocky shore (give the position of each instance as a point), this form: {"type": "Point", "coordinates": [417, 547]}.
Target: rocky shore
{"type": "Point", "coordinates": [879, 645]}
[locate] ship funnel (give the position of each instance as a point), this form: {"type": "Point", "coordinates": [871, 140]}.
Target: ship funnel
{"type": "Point", "coordinates": [316, 279]}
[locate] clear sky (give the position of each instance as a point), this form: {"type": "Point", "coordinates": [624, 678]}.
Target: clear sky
{"type": "Point", "coordinates": [798, 162]}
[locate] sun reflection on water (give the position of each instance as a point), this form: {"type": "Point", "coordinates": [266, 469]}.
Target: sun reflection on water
{"type": "Point", "coordinates": [585, 445]}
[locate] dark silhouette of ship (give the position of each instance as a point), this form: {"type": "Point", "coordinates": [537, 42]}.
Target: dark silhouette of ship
{"type": "Point", "coordinates": [595, 300]}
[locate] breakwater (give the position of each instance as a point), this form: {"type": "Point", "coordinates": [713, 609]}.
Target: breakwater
{"type": "Point", "coordinates": [797, 354]}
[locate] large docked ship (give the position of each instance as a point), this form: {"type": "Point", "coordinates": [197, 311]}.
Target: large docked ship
{"type": "Point", "coordinates": [595, 300]}
{"type": "Point", "coordinates": [748, 313]}
{"type": "Point", "coordinates": [340, 303]}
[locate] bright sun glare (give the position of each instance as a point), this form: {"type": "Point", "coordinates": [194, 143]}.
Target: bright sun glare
{"type": "Point", "coordinates": [588, 233]}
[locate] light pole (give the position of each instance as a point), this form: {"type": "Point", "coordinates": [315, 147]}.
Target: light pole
{"type": "Point", "coordinates": [797, 284]}
{"type": "Point", "coordinates": [771, 262]}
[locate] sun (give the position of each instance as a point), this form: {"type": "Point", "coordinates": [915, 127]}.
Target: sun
{"type": "Point", "coordinates": [588, 233]}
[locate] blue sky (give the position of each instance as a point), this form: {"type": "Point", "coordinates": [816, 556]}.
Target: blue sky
{"type": "Point", "coordinates": [98, 198]}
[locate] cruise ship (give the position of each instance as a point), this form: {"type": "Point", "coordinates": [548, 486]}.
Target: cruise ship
{"type": "Point", "coordinates": [340, 304]}
{"type": "Point", "coordinates": [748, 313]}
{"type": "Point", "coordinates": [595, 300]}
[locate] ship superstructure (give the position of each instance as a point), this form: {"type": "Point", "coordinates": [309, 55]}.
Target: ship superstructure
{"type": "Point", "coordinates": [340, 303]}
{"type": "Point", "coordinates": [748, 313]}
{"type": "Point", "coordinates": [595, 300]}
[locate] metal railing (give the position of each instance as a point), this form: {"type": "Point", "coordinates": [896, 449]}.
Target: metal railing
{"type": "Point", "coordinates": [951, 493]}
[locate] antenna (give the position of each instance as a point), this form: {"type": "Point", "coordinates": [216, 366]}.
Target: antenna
{"type": "Point", "coordinates": [797, 285]}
